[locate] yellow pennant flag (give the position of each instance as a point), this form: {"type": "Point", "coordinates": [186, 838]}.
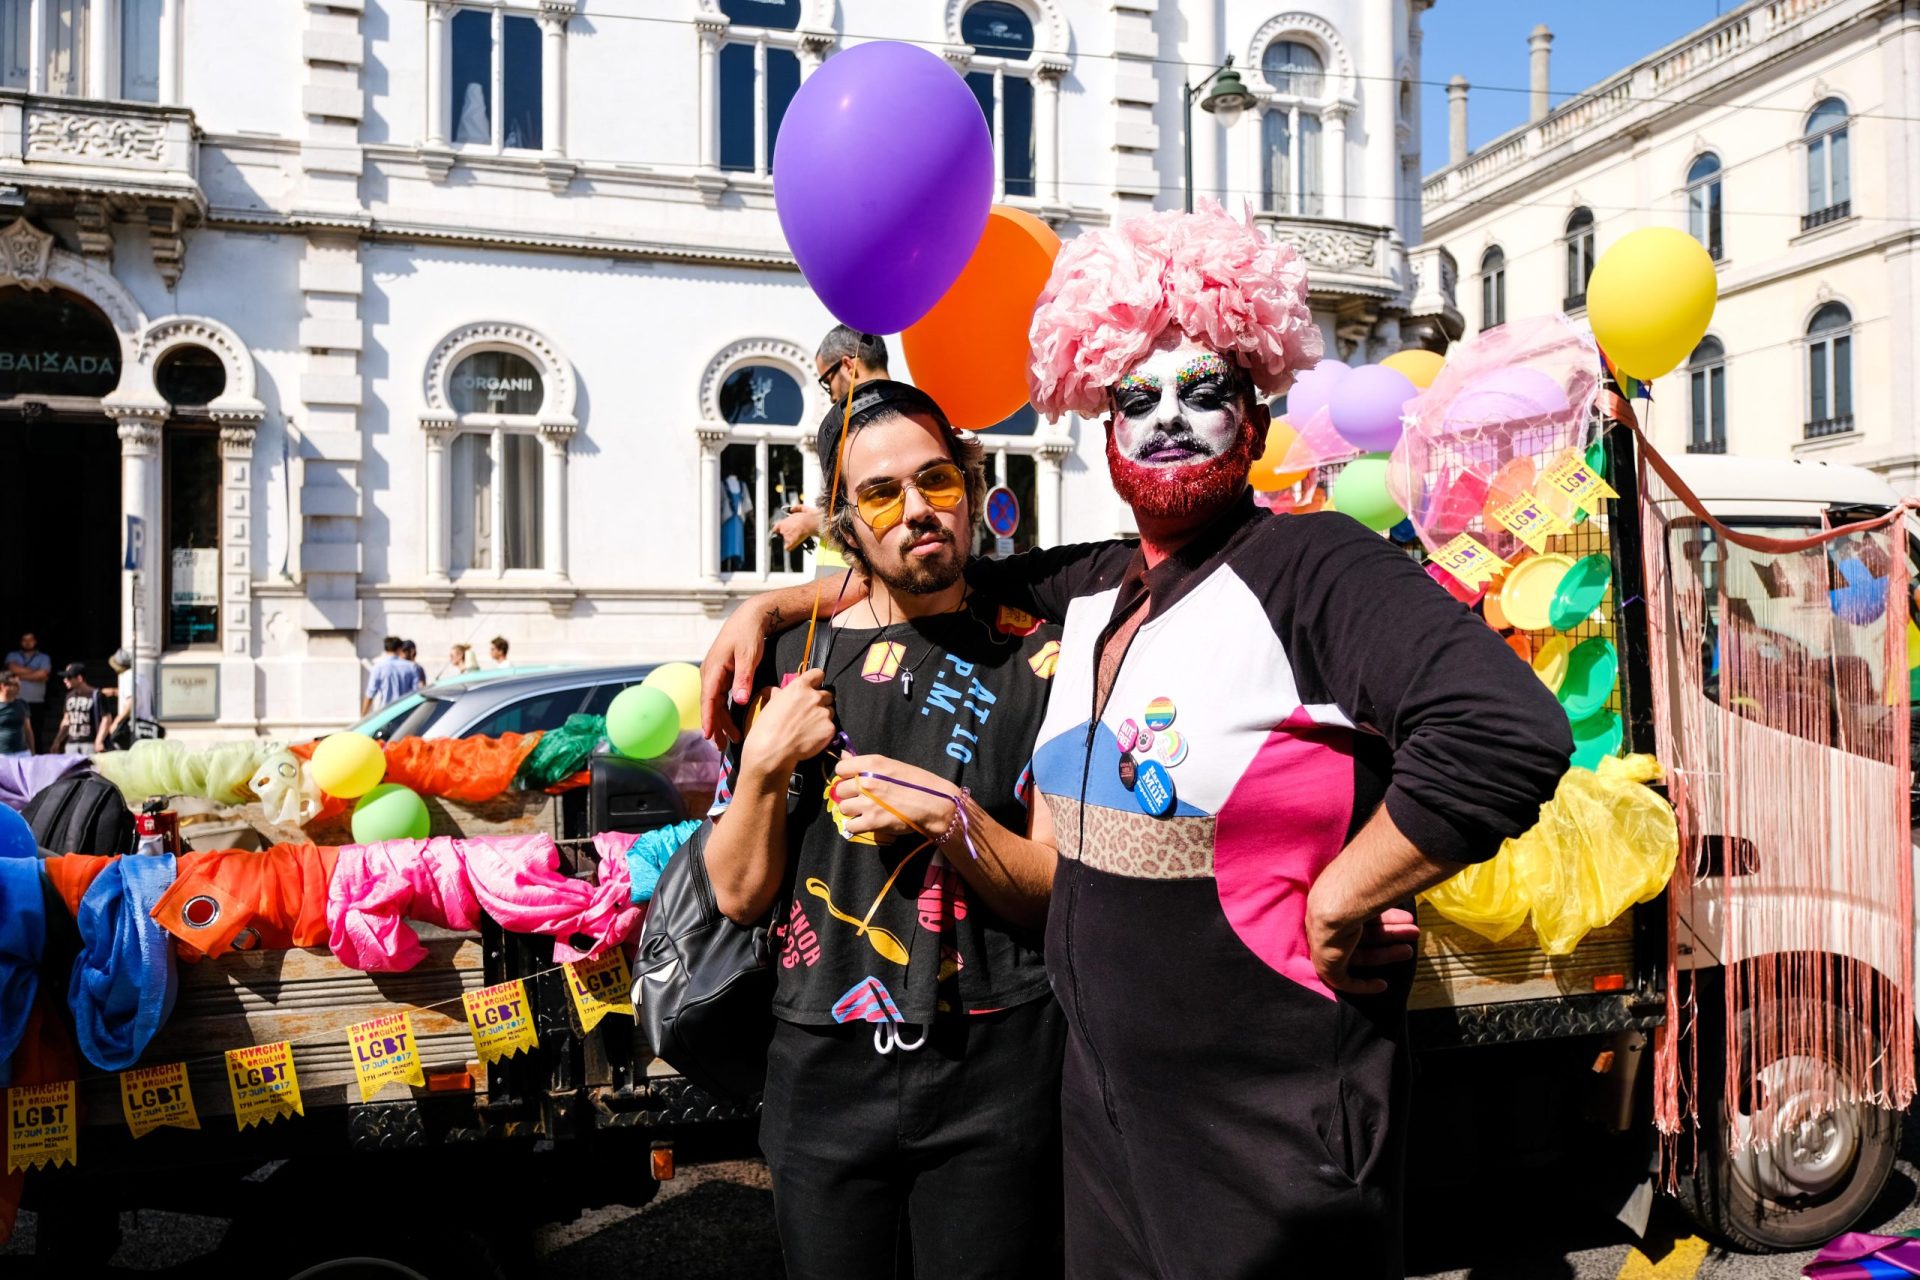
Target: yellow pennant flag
{"type": "Point", "coordinates": [41, 1125]}
{"type": "Point", "coordinates": [501, 1019]}
{"type": "Point", "coordinates": [601, 987]}
{"type": "Point", "coordinates": [384, 1053]}
{"type": "Point", "coordinates": [156, 1097]}
{"type": "Point", "coordinates": [1571, 483]}
{"type": "Point", "coordinates": [263, 1082]}
{"type": "Point", "coordinates": [1468, 560]}
{"type": "Point", "coordinates": [1530, 520]}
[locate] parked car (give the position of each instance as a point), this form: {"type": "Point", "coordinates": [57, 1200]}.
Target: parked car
{"type": "Point", "coordinates": [490, 703]}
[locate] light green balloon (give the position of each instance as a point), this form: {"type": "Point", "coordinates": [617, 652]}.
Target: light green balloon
{"type": "Point", "coordinates": [642, 723]}
{"type": "Point", "coordinates": [390, 812]}
{"type": "Point", "coordinates": [1361, 492]}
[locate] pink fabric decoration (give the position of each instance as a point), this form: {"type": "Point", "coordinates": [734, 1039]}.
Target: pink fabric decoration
{"type": "Point", "coordinates": [447, 881]}
{"type": "Point", "coordinates": [1114, 292]}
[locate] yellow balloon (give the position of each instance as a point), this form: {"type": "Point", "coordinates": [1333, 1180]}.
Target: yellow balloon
{"type": "Point", "coordinates": [347, 765]}
{"type": "Point", "coordinates": [1421, 367]}
{"type": "Point", "coordinates": [681, 682]}
{"type": "Point", "coordinates": [1650, 299]}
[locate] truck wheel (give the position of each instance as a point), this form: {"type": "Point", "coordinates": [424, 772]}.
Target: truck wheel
{"type": "Point", "coordinates": [370, 1251]}
{"type": "Point", "coordinates": [1815, 1180]}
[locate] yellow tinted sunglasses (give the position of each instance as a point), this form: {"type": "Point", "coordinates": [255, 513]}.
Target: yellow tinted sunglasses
{"type": "Point", "coordinates": [882, 503]}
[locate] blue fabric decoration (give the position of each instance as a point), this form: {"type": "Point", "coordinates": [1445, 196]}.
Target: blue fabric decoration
{"type": "Point", "coordinates": [648, 856]}
{"type": "Point", "coordinates": [23, 937]}
{"type": "Point", "coordinates": [123, 979]}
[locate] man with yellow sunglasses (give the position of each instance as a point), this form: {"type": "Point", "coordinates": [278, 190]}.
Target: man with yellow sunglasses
{"type": "Point", "coordinates": [913, 1079]}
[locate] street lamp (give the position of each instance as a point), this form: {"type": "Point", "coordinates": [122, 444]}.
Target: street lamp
{"type": "Point", "coordinates": [1227, 100]}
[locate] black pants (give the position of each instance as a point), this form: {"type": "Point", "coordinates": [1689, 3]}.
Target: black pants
{"type": "Point", "coordinates": [949, 1153]}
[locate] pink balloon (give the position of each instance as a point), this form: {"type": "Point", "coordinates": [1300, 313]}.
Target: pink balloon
{"type": "Point", "coordinates": [1313, 388]}
{"type": "Point", "coordinates": [1366, 406]}
{"type": "Point", "coordinates": [1513, 395]}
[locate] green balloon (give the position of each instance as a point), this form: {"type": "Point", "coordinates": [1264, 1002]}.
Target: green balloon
{"type": "Point", "coordinates": [390, 812]}
{"type": "Point", "coordinates": [643, 722]}
{"type": "Point", "coordinates": [1361, 492]}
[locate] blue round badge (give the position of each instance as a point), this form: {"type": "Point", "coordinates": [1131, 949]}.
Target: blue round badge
{"type": "Point", "coordinates": [1153, 789]}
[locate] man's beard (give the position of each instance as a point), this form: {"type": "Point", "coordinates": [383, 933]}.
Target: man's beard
{"type": "Point", "coordinates": [1186, 489]}
{"type": "Point", "coordinates": [922, 576]}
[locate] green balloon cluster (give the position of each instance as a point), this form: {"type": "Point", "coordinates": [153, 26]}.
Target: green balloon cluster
{"type": "Point", "coordinates": [643, 723]}
{"type": "Point", "coordinates": [1360, 491]}
{"type": "Point", "coordinates": [390, 812]}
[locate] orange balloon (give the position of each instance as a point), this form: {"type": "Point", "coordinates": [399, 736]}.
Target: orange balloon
{"type": "Point", "coordinates": [970, 352]}
{"type": "Point", "coordinates": [1266, 475]}
{"type": "Point", "coordinates": [1420, 367]}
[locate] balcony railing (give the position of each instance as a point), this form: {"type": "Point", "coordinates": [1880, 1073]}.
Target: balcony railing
{"type": "Point", "coordinates": [1706, 446]}
{"type": "Point", "coordinates": [1829, 426]}
{"type": "Point", "coordinates": [1574, 301]}
{"type": "Point", "coordinates": [133, 149]}
{"type": "Point", "coordinates": [1345, 257]}
{"type": "Point", "coordinates": [1821, 217]}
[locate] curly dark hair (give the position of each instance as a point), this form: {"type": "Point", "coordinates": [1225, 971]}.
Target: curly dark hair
{"type": "Point", "coordinates": [879, 400]}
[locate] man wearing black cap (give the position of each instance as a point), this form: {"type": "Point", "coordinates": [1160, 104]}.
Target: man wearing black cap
{"type": "Point", "coordinates": [876, 811]}
{"type": "Point", "coordinates": [83, 716]}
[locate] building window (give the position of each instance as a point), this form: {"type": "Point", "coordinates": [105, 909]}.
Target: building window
{"type": "Point", "coordinates": [1493, 287]}
{"type": "Point", "coordinates": [762, 470]}
{"type": "Point", "coordinates": [496, 82]}
{"type": "Point", "coordinates": [190, 377]}
{"type": "Point", "coordinates": [1000, 76]}
{"type": "Point", "coordinates": [498, 464]}
{"type": "Point", "coordinates": [1829, 183]}
{"type": "Point", "coordinates": [1703, 203]}
{"type": "Point", "coordinates": [1707, 379]}
{"type": "Point", "coordinates": [1291, 174]}
{"type": "Point", "coordinates": [1830, 371]}
{"type": "Point", "coordinates": [759, 74]}
{"type": "Point", "coordinates": [192, 514]}
{"type": "Point", "coordinates": [1579, 258]}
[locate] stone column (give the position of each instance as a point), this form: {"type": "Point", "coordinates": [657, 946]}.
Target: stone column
{"type": "Point", "coordinates": [1457, 119]}
{"type": "Point", "coordinates": [170, 52]}
{"type": "Point", "coordinates": [711, 443]}
{"type": "Point", "coordinates": [100, 81]}
{"type": "Point", "coordinates": [438, 55]}
{"type": "Point", "coordinates": [713, 33]}
{"type": "Point", "coordinates": [554, 439]}
{"type": "Point", "coordinates": [1046, 153]}
{"type": "Point", "coordinates": [553, 64]}
{"type": "Point", "coordinates": [439, 434]}
{"type": "Point", "coordinates": [1539, 57]}
{"type": "Point", "coordinates": [1047, 491]}
{"type": "Point", "coordinates": [37, 45]}
{"type": "Point", "coordinates": [236, 537]}
{"type": "Point", "coordinates": [1335, 162]}
{"type": "Point", "coordinates": [141, 619]}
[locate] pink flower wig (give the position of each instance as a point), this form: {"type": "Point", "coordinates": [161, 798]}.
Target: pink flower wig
{"type": "Point", "coordinates": [1115, 292]}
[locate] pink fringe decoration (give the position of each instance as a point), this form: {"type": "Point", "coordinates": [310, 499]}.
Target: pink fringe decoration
{"type": "Point", "coordinates": [1798, 764]}
{"type": "Point", "coordinates": [1117, 291]}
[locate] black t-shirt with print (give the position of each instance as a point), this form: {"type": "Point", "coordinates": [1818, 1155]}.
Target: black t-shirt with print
{"type": "Point", "coordinates": [864, 931]}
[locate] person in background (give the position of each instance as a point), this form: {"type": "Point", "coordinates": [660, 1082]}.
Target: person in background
{"type": "Point", "coordinates": [410, 652]}
{"type": "Point", "coordinates": [35, 670]}
{"type": "Point", "coordinates": [391, 679]}
{"type": "Point", "coordinates": [16, 724]}
{"type": "Point", "coordinates": [460, 659]}
{"type": "Point", "coordinates": [83, 714]}
{"type": "Point", "coordinates": [845, 356]}
{"type": "Point", "coordinates": [133, 701]}
{"type": "Point", "coordinates": [497, 650]}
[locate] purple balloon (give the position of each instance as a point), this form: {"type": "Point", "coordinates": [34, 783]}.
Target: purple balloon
{"type": "Point", "coordinates": [1516, 394]}
{"type": "Point", "coordinates": [1366, 406]}
{"type": "Point", "coordinates": [882, 176]}
{"type": "Point", "coordinates": [1312, 389]}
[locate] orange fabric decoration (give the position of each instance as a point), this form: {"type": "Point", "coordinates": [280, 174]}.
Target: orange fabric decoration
{"type": "Point", "coordinates": [73, 873]}
{"type": "Point", "coordinates": [47, 1053]}
{"type": "Point", "coordinates": [466, 769]}
{"type": "Point", "coordinates": [235, 899]}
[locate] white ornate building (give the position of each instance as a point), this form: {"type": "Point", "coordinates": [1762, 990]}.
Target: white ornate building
{"type": "Point", "coordinates": [1785, 136]}
{"type": "Point", "coordinates": [450, 320]}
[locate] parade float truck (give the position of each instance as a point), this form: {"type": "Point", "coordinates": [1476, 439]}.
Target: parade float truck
{"type": "Point", "coordinates": [445, 1178]}
{"type": "Point", "coordinates": [1568, 1042]}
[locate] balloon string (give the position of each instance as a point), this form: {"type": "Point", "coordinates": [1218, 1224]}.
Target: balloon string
{"type": "Point", "coordinates": [826, 518]}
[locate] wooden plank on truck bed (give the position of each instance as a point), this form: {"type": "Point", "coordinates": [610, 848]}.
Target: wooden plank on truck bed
{"type": "Point", "coordinates": [306, 996]}
{"type": "Point", "coordinates": [209, 826]}
{"type": "Point", "coordinates": [1456, 966]}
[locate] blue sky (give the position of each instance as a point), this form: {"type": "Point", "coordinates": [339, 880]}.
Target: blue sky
{"type": "Point", "coordinates": [1486, 41]}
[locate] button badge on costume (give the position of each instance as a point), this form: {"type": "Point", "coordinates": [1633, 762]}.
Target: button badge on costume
{"type": "Point", "coordinates": [1173, 747]}
{"type": "Point", "coordinates": [1160, 713]}
{"type": "Point", "coordinates": [1129, 735]}
{"type": "Point", "coordinates": [1153, 789]}
{"type": "Point", "coordinates": [1143, 742]}
{"type": "Point", "coordinates": [1129, 770]}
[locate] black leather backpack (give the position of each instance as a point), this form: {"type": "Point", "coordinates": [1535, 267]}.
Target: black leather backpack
{"type": "Point", "coordinates": [703, 985]}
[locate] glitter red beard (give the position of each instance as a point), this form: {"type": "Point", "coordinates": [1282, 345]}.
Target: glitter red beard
{"type": "Point", "coordinates": [1191, 489]}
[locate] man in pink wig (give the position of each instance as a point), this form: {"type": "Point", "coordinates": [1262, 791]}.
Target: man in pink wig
{"type": "Point", "coordinates": [1266, 734]}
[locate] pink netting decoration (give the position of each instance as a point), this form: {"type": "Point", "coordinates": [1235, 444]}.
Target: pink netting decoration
{"type": "Point", "coordinates": [1509, 402]}
{"type": "Point", "coordinates": [1114, 292]}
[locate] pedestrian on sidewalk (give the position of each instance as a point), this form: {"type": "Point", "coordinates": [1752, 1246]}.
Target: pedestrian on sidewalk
{"type": "Point", "coordinates": [16, 722]}
{"type": "Point", "coordinates": [35, 670]}
{"type": "Point", "coordinates": [83, 715]}
{"type": "Point", "coordinates": [392, 677]}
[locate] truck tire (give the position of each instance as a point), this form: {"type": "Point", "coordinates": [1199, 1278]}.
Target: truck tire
{"type": "Point", "coordinates": [1810, 1184]}
{"type": "Point", "coordinates": [371, 1250]}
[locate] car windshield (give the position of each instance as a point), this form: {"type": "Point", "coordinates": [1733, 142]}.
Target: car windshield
{"type": "Point", "coordinates": [417, 720]}
{"type": "Point", "coordinates": [382, 719]}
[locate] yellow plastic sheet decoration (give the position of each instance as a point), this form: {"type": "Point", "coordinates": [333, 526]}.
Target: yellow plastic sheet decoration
{"type": "Point", "coordinates": [163, 767]}
{"type": "Point", "coordinates": [1603, 843]}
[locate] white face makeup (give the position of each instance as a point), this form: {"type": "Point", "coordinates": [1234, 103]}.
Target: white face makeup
{"type": "Point", "coordinates": [1180, 405]}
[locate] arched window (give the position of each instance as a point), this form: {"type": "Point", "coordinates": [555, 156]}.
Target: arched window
{"type": "Point", "coordinates": [1579, 257]}
{"type": "Point", "coordinates": [762, 470]}
{"type": "Point", "coordinates": [1829, 184]}
{"type": "Point", "coordinates": [497, 464]}
{"type": "Point", "coordinates": [1493, 287]}
{"type": "Point", "coordinates": [1292, 180]}
{"type": "Point", "coordinates": [1703, 203]}
{"type": "Point", "coordinates": [1830, 371]}
{"type": "Point", "coordinates": [1000, 75]}
{"type": "Point", "coordinates": [1707, 379]}
{"type": "Point", "coordinates": [759, 74]}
